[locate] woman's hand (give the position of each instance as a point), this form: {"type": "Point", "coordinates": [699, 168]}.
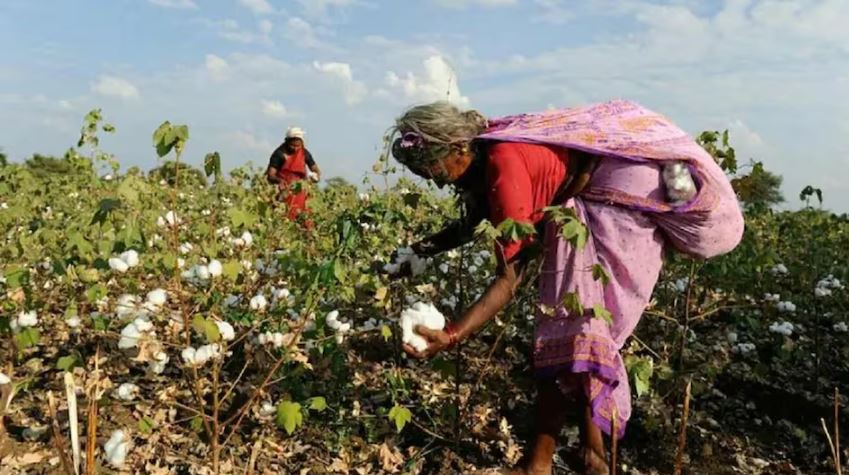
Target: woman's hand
{"type": "Point", "coordinates": [437, 340]}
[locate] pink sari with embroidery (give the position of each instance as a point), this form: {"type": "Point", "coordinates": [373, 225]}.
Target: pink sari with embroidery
{"type": "Point", "coordinates": [625, 208]}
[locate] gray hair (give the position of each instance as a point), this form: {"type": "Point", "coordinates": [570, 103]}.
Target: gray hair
{"type": "Point", "coordinates": [440, 125]}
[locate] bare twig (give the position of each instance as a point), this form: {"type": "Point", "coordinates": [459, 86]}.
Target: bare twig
{"type": "Point", "coordinates": [73, 419]}
{"type": "Point", "coordinates": [837, 431]}
{"type": "Point", "coordinates": [91, 432]}
{"type": "Point", "coordinates": [58, 440]}
{"type": "Point", "coordinates": [682, 434]}
{"type": "Point", "coordinates": [249, 470]}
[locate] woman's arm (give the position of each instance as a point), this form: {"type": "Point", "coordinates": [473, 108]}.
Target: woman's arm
{"type": "Point", "coordinates": [455, 234]}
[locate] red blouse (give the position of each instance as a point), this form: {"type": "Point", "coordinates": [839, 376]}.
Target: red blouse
{"type": "Point", "coordinates": [522, 180]}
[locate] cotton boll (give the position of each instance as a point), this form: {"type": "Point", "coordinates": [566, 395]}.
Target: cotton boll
{"type": "Point", "coordinates": [232, 300]}
{"type": "Point", "coordinates": [821, 292]}
{"type": "Point", "coordinates": [215, 268]}
{"type": "Point", "coordinates": [779, 269]}
{"type": "Point", "coordinates": [344, 328]}
{"type": "Point", "coordinates": [131, 257]}
{"type": "Point", "coordinates": [171, 218]}
{"type": "Point", "coordinates": [130, 336]}
{"type": "Point", "coordinates": [118, 265]}
{"type": "Point", "coordinates": [420, 314]}
{"type": "Point", "coordinates": [732, 337]}
{"type": "Point", "coordinates": [186, 248]}
{"type": "Point", "coordinates": [226, 330]}
{"type": "Point", "coordinates": [340, 338]}
{"type": "Point", "coordinates": [277, 339]}
{"type": "Point", "coordinates": [116, 449]}
{"type": "Point", "coordinates": [841, 327]}
{"type": "Point", "coordinates": [27, 319]}
{"type": "Point", "coordinates": [158, 363]}
{"type": "Point", "coordinates": [157, 297]}
{"type": "Point", "coordinates": [743, 348]}
{"type": "Point", "coordinates": [206, 353]}
{"type": "Point", "coordinates": [783, 328]}
{"type": "Point", "coordinates": [73, 322]}
{"type": "Point", "coordinates": [223, 232]}
{"type": "Point", "coordinates": [443, 268]}
{"type": "Point", "coordinates": [247, 238]}
{"type": "Point", "coordinates": [160, 221]}
{"type": "Point", "coordinates": [267, 409]}
{"type": "Point", "coordinates": [4, 379]}
{"type": "Point", "coordinates": [127, 392]}
{"type": "Point", "coordinates": [258, 302]}
{"type": "Point", "coordinates": [202, 272]}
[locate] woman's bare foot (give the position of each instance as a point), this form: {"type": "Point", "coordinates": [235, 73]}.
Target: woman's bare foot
{"type": "Point", "coordinates": [594, 462]}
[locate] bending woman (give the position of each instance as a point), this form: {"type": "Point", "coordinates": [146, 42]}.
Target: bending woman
{"type": "Point", "coordinates": [607, 162]}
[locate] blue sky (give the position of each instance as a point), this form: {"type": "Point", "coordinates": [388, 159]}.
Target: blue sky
{"type": "Point", "coordinates": [238, 72]}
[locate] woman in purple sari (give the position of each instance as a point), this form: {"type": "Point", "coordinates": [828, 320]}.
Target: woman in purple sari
{"type": "Point", "coordinates": [635, 180]}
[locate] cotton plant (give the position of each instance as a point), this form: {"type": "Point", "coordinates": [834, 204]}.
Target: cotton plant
{"type": "Point", "coordinates": [420, 313]}
{"type": "Point", "coordinates": [124, 261]}
{"type": "Point", "coordinates": [840, 327]}
{"type": "Point", "coordinates": [743, 348]}
{"type": "Point", "coordinates": [169, 219]}
{"type": "Point", "coordinates": [201, 273]}
{"type": "Point", "coordinates": [825, 286]}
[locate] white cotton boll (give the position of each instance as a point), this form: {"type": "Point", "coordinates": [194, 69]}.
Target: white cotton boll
{"type": "Point", "coordinates": [143, 324]}
{"type": "Point", "coordinates": [171, 218]}
{"type": "Point", "coordinates": [127, 304]}
{"type": "Point", "coordinates": [680, 186]}
{"type": "Point", "coordinates": [258, 302]}
{"type": "Point", "coordinates": [277, 339]}
{"type": "Point", "coordinates": [841, 327]}
{"type": "Point", "coordinates": [473, 269]}
{"type": "Point", "coordinates": [157, 297]}
{"type": "Point", "coordinates": [116, 448]}
{"type": "Point", "coordinates": [280, 294]}
{"type": "Point", "coordinates": [332, 316]}
{"type": "Point", "coordinates": [189, 274]}
{"type": "Point", "coordinates": [786, 307]}
{"type": "Point", "coordinates": [267, 409]}
{"type": "Point", "coordinates": [127, 392]}
{"type": "Point", "coordinates": [4, 379]}
{"type": "Point", "coordinates": [340, 338]}
{"type": "Point", "coordinates": [223, 232]}
{"type": "Point", "coordinates": [206, 353]}
{"type": "Point", "coordinates": [118, 265]}
{"type": "Point", "coordinates": [783, 328]}
{"type": "Point", "coordinates": [226, 330]}
{"type": "Point", "coordinates": [344, 328]}
{"type": "Point", "coordinates": [262, 338]}
{"type": "Point", "coordinates": [247, 238]}
{"type": "Point", "coordinates": [772, 297]}
{"type": "Point", "coordinates": [160, 360]}
{"type": "Point", "coordinates": [443, 268]}
{"type": "Point", "coordinates": [478, 260]}
{"type": "Point", "coordinates": [189, 355]}
{"type": "Point", "coordinates": [246, 264]}
{"type": "Point", "coordinates": [732, 337]}
{"type": "Point", "coordinates": [821, 292]}
{"type": "Point", "coordinates": [28, 319]}
{"type": "Point", "coordinates": [743, 348]}
{"type": "Point", "coordinates": [779, 269]}
{"type": "Point", "coordinates": [73, 322]}
{"type": "Point", "coordinates": [680, 285]}
{"type": "Point", "coordinates": [186, 248]}
{"type": "Point", "coordinates": [130, 336]}
{"type": "Point", "coordinates": [206, 212]}
{"type": "Point", "coordinates": [363, 196]}
{"type": "Point", "coordinates": [202, 272]}
{"type": "Point", "coordinates": [215, 268]}
{"type": "Point", "coordinates": [420, 314]}
{"type": "Point", "coordinates": [131, 257]}
{"type": "Point", "coordinates": [160, 221]}
{"type": "Point", "coordinates": [237, 242]}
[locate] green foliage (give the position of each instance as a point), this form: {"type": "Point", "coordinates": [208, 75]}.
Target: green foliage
{"type": "Point", "coordinates": [400, 415]}
{"type": "Point", "coordinates": [289, 416]}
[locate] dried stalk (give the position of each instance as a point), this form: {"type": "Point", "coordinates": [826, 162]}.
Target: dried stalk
{"type": "Point", "coordinates": [682, 434]}
{"type": "Point", "coordinates": [73, 419]}
{"type": "Point", "coordinates": [614, 442]}
{"type": "Point", "coordinates": [58, 440]}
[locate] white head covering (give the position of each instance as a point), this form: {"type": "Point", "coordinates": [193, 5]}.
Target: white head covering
{"type": "Point", "coordinates": [295, 133]}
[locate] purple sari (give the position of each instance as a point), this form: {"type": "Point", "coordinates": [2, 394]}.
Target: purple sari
{"type": "Point", "coordinates": [625, 208]}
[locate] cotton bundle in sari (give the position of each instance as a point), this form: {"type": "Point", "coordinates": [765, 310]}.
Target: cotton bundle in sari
{"type": "Point", "coordinates": [625, 208]}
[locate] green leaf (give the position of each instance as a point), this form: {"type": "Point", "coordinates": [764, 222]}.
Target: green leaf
{"type": "Point", "coordinates": [400, 415]}
{"type": "Point", "coordinates": [289, 416]}
{"type": "Point", "coordinates": [17, 277]}
{"type": "Point", "coordinates": [196, 424]}
{"type": "Point", "coordinates": [572, 304]}
{"type": "Point", "coordinates": [69, 362]}
{"type": "Point", "coordinates": [600, 274]}
{"type": "Point", "coordinates": [95, 293]}
{"type": "Point", "coordinates": [641, 371]}
{"type": "Point", "coordinates": [386, 332]}
{"type": "Point", "coordinates": [212, 164]}
{"type": "Point", "coordinates": [104, 209]}
{"type": "Point", "coordinates": [207, 328]}
{"type": "Point", "coordinates": [27, 338]}
{"type": "Point", "coordinates": [486, 230]}
{"type": "Point", "coordinates": [231, 269]}
{"type": "Point", "coordinates": [84, 248]}
{"type": "Point", "coordinates": [146, 425]}
{"type": "Point", "coordinates": [339, 271]}
{"type": "Point", "coordinates": [318, 403]}
{"type": "Point", "coordinates": [600, 312]}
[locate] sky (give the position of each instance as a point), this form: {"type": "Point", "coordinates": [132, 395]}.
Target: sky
{"type": "Point", "coordinates": [239, 72]}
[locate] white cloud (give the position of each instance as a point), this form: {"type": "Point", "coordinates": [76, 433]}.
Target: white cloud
{"type": "Point", "coordinates": [113, 86]}
{"type": "Point", "coordinates": [274, 109]}
{"type": "Point", "coordinates": [468, 3]}
{"type": "Point", "coordinates": [217, 66]}
{"type": "Point", "coordinates": [302, 34]}
{"type": "Point", "coordinates": [556, 12]}
{"type": "Point", "coordinates": [260, 7]}
{"type": "Point", "coordinates": [354, 91]}
{"type": "Point", "coordinates": [179, 4]}
{"type": "Point", "coordinates": [265, 27]}
{"type": "Point", "coordinates": [250, 142]}
{"type": "Point", "coordinates": [438, 82]}
{"type": "Point", "coordinates": [319, 8]}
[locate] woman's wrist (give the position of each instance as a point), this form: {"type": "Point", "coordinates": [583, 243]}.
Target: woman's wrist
{"type": "Point", "coordinates": [453, 335]}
